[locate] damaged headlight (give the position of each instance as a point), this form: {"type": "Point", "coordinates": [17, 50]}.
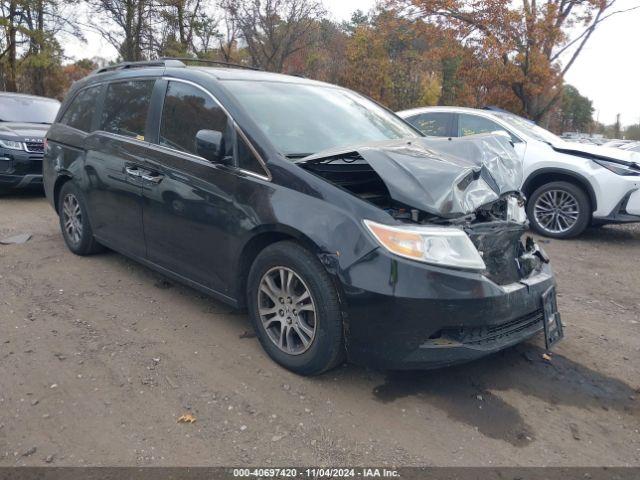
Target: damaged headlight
{"type": "Point", "coordinates": [444, 246]}
{"type": "Point", "coordinates": [515, 210]}
{"type": "Point", "coordinates": [619, 168]}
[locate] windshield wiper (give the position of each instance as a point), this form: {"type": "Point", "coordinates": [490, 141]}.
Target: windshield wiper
{"type": "Point", "coordinates": [297, 155]}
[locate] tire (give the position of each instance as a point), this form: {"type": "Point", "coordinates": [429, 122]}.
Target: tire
{"type": "Point", "coordinates": [78, 236]}
{"type": "Point", "coordinates": [559, 210]}
{"type": "Point", "coordinates": [319, 313]}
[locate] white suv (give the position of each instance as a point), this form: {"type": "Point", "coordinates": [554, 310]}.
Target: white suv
{"type": "Point", "coordinates": [569, 186]}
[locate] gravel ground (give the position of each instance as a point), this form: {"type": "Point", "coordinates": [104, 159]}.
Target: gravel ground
{"type": "Point", "coordinates": [100, 356]}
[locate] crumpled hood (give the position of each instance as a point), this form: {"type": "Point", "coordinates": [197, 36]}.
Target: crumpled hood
{"type": "Point", "coordinates": [444, 177]}
{"type": "Point", "coordinates": [596, 151]}
{"type": "Point", "coordinates": [23, 131]}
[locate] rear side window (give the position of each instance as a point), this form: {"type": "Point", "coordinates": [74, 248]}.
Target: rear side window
{"type": "Point", "coordinates": [186, 111]}
{"type": "Point", "coordinates": [125, 108]}
{"type": "Point", "coordinates": [434, 124]}
{"type": "Point", "coordinates": [474, 124]}
{"type": "Point", "coordinates": [82, 108]}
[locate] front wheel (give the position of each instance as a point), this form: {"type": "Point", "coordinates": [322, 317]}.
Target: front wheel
{"type": "Point", "coordinates": [559, 210]}
{"type": "Point", "coordinates": [295, 309]}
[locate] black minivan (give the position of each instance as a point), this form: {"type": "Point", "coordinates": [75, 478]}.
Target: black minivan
{"type": "Point", "coordinates": [341, 230]}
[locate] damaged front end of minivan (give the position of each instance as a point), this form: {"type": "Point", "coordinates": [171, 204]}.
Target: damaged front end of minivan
{"type": "Point", "coordinates": [464, 279]}
{"type": "Point", "coordinates": [470, 183]}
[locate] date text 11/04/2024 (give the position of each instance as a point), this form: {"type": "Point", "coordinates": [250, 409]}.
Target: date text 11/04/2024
{"type": "Point", "coordinates": [316, 472]}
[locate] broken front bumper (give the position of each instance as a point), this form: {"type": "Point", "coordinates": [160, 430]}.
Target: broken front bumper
{"type": "Point", "coordinates": [420, 316]}
{"type": "Point", "coordinates": [618, 197]}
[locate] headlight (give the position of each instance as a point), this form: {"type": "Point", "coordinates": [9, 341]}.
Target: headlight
{"type": "Point", "coordinates": [619, 168]}
{"type": "Point", "coordinates": [11, 145]}
{"type": "Point", "coordinates": [445, 246]}
{"type": "Point", "coordinates": [515, 210]}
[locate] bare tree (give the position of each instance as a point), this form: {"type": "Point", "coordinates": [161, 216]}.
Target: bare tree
{"type": "Point", "coordinates": [273, 30]}
{"type": "Point", "coordinates": [10, 23]}
{"type": "Point", "coordinates": [124, 24]}
{"type": "Point", "coordinates": [30, 33]}
{"type": "Point", "coordinates": [179, 21]}
{"type": "Point", "coordinates": [205, 34]}
{"type": "Point", "coordinates": [228, 42]}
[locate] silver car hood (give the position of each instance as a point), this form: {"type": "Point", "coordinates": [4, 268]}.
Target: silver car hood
{"type": "Point", "coordinates": [444, 177]}
{"type": "Point", "coordinates": [596, 151]}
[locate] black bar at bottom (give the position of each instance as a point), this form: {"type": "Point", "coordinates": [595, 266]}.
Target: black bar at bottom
{"type": "Point", "coordinates": [408, 473]}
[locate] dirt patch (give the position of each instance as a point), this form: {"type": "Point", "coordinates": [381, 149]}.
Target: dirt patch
{"type": "Point", "coordinates": [466, 393]}
{"type": "Point", "coordinates": [100, 357]}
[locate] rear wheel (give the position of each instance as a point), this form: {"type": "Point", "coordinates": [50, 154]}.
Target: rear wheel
{"type": "Point", "coordinates": [74, 222]}
{"type": "Point", "coordinates": [295, 309]}
{"type": "Point", "coordinates": [559, 210]}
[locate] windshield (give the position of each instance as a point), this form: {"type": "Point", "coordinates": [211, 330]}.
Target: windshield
{"type": "Point", "coordinates": [528, 128]}
{"type": "Point", "coordinates": [305, 119]}
{"type": "Point", "coordinates": [27, 109]}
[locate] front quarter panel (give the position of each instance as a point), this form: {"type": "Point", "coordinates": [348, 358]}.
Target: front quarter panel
{"type": "Point", "coordinates": [323, 217]}
{"type": "Point", "coordinates": [608, 188]}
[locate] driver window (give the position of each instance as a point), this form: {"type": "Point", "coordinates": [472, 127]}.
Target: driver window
{"type": "Point", "coordinates": [187, 110]}
{"type": "Point", "coordinates": [473, 125]}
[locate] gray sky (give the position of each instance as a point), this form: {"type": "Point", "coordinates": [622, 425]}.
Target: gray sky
{"type": "Point", "coordinates": [608, 70]}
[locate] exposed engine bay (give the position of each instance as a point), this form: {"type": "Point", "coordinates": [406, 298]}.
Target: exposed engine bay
{"type": "Point", "coordinates": [470, 182]}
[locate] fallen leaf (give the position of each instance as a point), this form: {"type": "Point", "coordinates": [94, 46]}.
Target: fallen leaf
{"type": "Point", "coordinates": [546, 356]}
{"type": "Point", "coordinates": [187, 418]}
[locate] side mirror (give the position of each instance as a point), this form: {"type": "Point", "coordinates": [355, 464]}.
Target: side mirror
{"type": "Point", "coordinates": [210, 145]}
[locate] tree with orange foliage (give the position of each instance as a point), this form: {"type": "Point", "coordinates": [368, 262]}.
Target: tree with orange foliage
{"type": "Point", "coordinates": [368, 66]}
{"type": "Point", "coordinates": [393, 59]}
{"type": "Point", "coordinates": [528, 44]}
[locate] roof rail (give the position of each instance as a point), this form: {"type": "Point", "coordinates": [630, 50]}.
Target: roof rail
{"type": "Point", "coordinates": [212, 62]}
{"type": "Point", "coordinates": [163, 62]}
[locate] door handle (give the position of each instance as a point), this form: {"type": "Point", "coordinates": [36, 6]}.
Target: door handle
{"type": "Point", "coordinates": [132, 171]}
{"type": "Point", "coordinates": [149, 177]}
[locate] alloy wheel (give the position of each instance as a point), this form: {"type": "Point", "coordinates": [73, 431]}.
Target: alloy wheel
{"type": "Point", "coordinates": [287, 310]}
{"type": "Point", "coordinates": [556, 211]}
{"type": "Point", "coordinates": [72, 218]}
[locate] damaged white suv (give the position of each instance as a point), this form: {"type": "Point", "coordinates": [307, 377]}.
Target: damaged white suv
{"type": "Point", "coordinates": [568, 186]}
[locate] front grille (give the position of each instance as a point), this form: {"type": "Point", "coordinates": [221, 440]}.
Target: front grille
{"type": "Point", "coordinates": [35, 147]}
{"type": "Point", "coordinates": [492, 333]}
